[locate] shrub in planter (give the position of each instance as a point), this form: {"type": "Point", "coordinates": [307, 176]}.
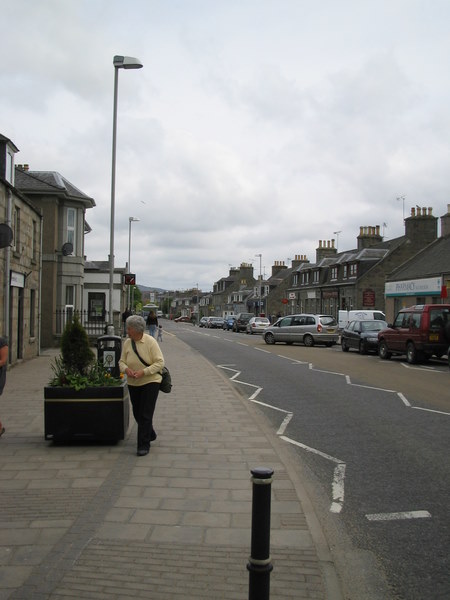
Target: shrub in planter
{"type": "Point", "coordinates": [83, 400]}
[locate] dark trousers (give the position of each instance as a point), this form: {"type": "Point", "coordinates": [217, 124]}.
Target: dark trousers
{"type": "Point", "coordinates": [143, 400]}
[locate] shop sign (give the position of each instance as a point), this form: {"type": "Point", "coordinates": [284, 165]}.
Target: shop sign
{"type": "Point", "coordinates": [368, 298]}
{"type": "Point", "coordinates": [415, 287]}
{"type": "Point", "coordinates": [17, 279]}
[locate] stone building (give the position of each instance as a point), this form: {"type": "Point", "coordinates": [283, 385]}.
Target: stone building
{"type": "Point", "coordinates": [424, 278]}
{"type": "Point", "coordinates": [63, 208]}
{"type": "Point", "coordinates": [356, 278]}
{"type": "Point", "coordinates": [20, 262]}
{"type": "Point", "coordinates": [230, 294]}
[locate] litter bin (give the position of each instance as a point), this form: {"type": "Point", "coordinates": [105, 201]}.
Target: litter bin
{"type": "Point", "coordinates": [109, 348]}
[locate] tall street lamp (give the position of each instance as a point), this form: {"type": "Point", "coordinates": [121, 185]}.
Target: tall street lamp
{"type": "Point", "coordinates": [129, 295]}
{"type": "Point", "coordinates": [119, 62]}
{"type": "Point", "coordinates": [260, 283]}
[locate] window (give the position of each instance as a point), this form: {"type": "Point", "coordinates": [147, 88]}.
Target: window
{"type": "Point", "coordinates": [10, 167]}
{"type": "Point", "coordinates": [334, 273]}
{"type": "Point", "coordinates": [71, 227]}
{"type": "Point", "coordinates": [34, 242]}
{"type": "Point", "coordinates": [316, 276]}
{"type": "Point", "coordinates": [353, 270]}
{"type": "Point", "coordinates": [344, 273]}
{"type": "Point", "coordinates": [96, 306]}
{"type": "Point", "coordinates": [32, 312]}
{"type": "Point", "coordinates": [70, 295]}
{"type": "Point", "coordinates": [305, 278]}
{"type": "Point", "coordinates": [16, 229]}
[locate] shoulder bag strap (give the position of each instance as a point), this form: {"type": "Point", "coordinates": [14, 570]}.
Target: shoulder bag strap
{"type": "Point", "coordinates": [133, 343]}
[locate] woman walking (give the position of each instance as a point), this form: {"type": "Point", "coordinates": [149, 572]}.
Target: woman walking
{"type": "Point", "coordinates": [152, 322]}
{"type": "Point", "coordinates": [142, 361]}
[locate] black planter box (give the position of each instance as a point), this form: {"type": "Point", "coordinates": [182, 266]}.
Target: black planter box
{"type": "Point", "coordinates": [92, 414]}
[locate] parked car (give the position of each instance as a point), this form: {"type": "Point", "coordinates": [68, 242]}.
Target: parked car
{"type": "Point", "coordinates": [257, 325]}
{"type": "Point", "coordinates": [241, 321]}
{"type": "Point", "coordinates": [182, 320]}
{"type": "Point", "coordinates": [214, 323]}
{"type": "Point", "coordinates": [362, 335]}
{"type": "Point", "coordinates": [419, 332]}
{"type": "Point", "coordinates": [308, 329]}
{"type": "Point", "coordinates": [203, 321]}
{"type": "Point", "coordinates": [228, 322]}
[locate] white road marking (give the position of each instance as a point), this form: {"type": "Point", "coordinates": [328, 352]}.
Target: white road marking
{"type": "Point", "coordinates": [398, 516]}
{"type": "Point", "coordinates": [337, 486]}
{"type": "Point", "coordinates": [439, 412]}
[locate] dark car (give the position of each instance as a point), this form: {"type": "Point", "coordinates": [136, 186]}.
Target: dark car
{"type": "Point", "coordinates": [419, 332]}
{"type": "Point", "coordinates": [228, 322]}
{"type": "Point", "coordinates": [203, 321]}
{"type": "Point", "coordinates": [362, 335]}
{"type": "Point", "coordinates": [240, 323]}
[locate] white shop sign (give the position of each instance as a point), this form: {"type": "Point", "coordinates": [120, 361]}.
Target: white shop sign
{"type": "Point", "coordinates": [414, 287]}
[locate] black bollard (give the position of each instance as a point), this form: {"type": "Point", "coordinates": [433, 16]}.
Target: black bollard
{"type": "Point", "coordinates": [259, 564]}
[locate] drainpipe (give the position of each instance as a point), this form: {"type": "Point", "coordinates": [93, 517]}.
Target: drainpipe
{"type": "Point", "coordinates": [40, 285]}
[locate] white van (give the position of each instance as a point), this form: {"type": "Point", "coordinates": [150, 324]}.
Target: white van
{"type": "Point", "coordinates": [345, 316]}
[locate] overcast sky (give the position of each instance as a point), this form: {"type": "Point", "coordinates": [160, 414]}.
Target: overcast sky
{"type": "Point", "coordinates": [255, 126]}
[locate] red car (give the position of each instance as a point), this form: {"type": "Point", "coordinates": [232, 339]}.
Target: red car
{"type": "Point", "coordinates": [182, 320]}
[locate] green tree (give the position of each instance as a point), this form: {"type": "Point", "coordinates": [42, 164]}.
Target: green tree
{"type": "Point", "coordinates": [76, 353]}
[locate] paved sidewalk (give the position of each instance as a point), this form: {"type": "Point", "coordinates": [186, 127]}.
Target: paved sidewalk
{"type": "Point", "coordinates": [96, 521]}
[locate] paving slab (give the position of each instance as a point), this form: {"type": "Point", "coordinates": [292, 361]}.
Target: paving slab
{"type": "Point", "coordinates": [96, 521]}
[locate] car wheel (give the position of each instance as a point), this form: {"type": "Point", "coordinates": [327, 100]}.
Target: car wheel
{"type": "Point", "coordinates": [383, 351]}
{"type": "Point", "coordinates": [411, 353]}
{"type": "Point", "coordinates": [344, 346]}
{"type": "Point", "coordinates": [269, 338]}
{"type": "Point", "coordinates": [308, 340]}
{"type": "Point", "coordinates": [362, 347]}
{"type": "Point", "coordinates": [329, 344]}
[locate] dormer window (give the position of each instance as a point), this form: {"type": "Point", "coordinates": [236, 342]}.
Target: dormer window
{"type": "Point", "coordinates": [334, 273]}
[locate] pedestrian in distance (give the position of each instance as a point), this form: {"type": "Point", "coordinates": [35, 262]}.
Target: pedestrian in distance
{"type": "Point", "coordinates": [159, 333]}
{"type": "Point", "coordinates": [152, 322]}
{"type": "Point", "coordinates": [126, 313]}
{"type": "Point", "coordinates": [3, 367]}
{"type": "Point", "coordinates": [142, 361]}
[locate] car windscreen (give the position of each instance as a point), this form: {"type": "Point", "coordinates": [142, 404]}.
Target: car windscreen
{"type": "Point", "coordinates": [373, 325]}
{"type": "Point", "coordinates": [328, 321]}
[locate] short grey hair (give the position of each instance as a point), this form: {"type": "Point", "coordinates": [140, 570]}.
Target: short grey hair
{"type": "Point", "coordinates": [136, 322]}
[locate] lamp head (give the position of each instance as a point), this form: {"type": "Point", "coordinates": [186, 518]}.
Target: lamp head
{"type": "Point", "coordinates": [127, 62]}
{"type": "Point", "coordinates": [133, 219]}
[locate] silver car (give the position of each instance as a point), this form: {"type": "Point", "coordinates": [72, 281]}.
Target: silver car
{"type": "Point", "coordinates": [305, 328]}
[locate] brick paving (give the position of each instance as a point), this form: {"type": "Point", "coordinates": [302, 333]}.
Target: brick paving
{"type": "Point", "coordinates": [95, 521]}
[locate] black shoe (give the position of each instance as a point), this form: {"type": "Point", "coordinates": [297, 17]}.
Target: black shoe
{"type": "Point", "coordinates": [143, 452]}
{"type": "Point", "coordinates": [153, 436]}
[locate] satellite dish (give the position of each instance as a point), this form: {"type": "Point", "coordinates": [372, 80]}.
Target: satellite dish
{"type": "Point", "coordinates": [67, 249]}
{"type": "Point", "coordinates": [6, 235]}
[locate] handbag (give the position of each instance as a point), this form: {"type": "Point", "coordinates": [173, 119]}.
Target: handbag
{"type": "Point", "coordinates": [166, 382]}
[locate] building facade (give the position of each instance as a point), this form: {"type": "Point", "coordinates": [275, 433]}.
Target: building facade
{"type": "Point", "coordinates": [20, 262]}
{"type": "Point", "coordinates": [63, 207]}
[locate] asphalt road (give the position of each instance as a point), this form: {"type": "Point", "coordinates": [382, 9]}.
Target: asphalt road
{"type": "Point", "coordinates": [375, 437]}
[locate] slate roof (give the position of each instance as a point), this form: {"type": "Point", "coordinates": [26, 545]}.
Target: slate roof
{"type": "Point", "coordinates": [49, 183]}
{"type": "Point", "coordinates": [433, 260]}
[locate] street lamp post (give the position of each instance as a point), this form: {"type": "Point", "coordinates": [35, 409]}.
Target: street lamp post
{"type": "Point", "coordinates": [129, 294]}
{"type": "Point", "coordinates": [119, 62]}
{"type": "Point", "coordinates": [260, 283]}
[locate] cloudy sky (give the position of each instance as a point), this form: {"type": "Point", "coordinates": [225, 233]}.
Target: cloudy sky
{"type": "Point", "coordinates": [255, 126]}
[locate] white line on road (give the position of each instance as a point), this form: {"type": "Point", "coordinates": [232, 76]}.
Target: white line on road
{"type": "Point", "coordinates": [398, 516]}
{"type": "Point", "coordinates": [439, 412]}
